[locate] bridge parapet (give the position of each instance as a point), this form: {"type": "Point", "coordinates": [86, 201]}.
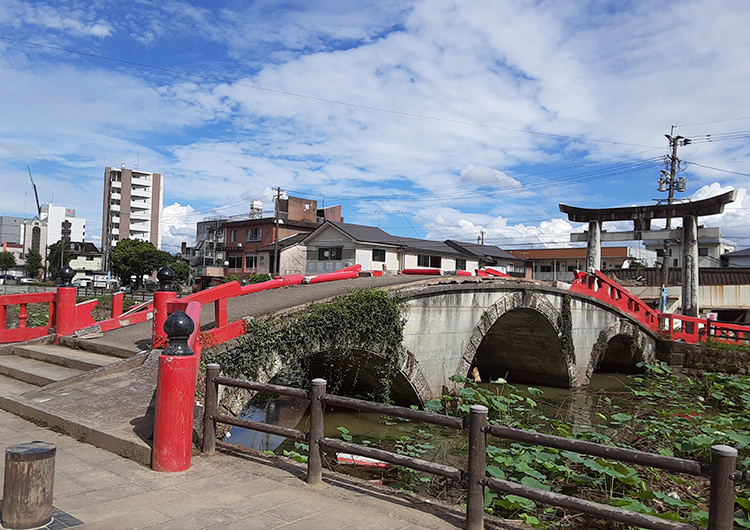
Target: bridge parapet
{"type": "Point", "coordinates": [670, 326]}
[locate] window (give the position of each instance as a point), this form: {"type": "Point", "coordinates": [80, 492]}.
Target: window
{"type": "Point", "coordinates": [675, 262]}
{"type": "Point", "coordinates": [329, 254]}
{"type": "Point", "coordinates": [378, 254]}
{"type": "Point", "coordinates": [235, 262]}
{"type": "Point", "coordinates": [545, 268]}
{"type": "Point", "coordinates": [703, 251]}
{"type": "Point", "coordinates": [233, 236]}
{"type": "Point", "coordinates": [253, 234]}
{"type": "Point", "coordinates": [460, 264]}
{"type": "Point", "coordinates": [428, 261]}
{"type": "Point", "coordinates": [251, 261]}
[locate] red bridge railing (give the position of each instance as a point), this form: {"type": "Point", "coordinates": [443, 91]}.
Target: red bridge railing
{"type": "Point", "coordinates": [676, 327]}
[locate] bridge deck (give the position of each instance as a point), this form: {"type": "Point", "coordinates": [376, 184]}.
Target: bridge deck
{"type": "Point", "coordinates": [138, 336]}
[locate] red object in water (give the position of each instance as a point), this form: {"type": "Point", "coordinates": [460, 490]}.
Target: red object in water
{"type": "Point", "coordinates": [347, 459]}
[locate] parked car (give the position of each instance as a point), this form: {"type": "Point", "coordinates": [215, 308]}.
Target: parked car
{"type": "Point", "coordinates": [26, 279]}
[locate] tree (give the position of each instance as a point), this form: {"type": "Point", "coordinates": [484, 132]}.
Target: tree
{"type": "Point", "coordinates": [133, 257]}
{"type": "Point", "coordinates": [33, 263]}
{"type": "Point", "coordinates": [181, 270]}
{"type": "Point", "coordinates": [54, 258]}
{"type": "Point", "coordinates": [7, 262]}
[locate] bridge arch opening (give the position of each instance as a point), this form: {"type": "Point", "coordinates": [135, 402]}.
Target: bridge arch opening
{"type": "Point", "coordinates": [621, 355]}
{"type": "Point", "coordinates": [358, 374]}
{"type": "Point", "coordinates": [522, 346]}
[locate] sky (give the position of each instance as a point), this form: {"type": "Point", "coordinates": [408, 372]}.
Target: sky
{"type": "Point", "coordinates": [433, 119]}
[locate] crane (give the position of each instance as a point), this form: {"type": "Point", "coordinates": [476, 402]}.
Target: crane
{"type": "Point", "coordinates": [36, 195]}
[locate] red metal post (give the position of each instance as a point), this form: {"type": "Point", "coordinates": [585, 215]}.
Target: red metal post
{"type": "Point", "coordinates": [162, 297]}
{"type": "Point", "coordinates": [175, 398]}
{"type": "Point", "coordinates": [65, 315]}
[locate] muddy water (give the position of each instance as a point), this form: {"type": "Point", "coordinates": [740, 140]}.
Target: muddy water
{"type": "Point", "coordinates": [575, 407]}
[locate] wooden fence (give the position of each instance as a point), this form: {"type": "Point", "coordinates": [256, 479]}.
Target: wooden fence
{"type": "Point", "coordinates": [722, 470]}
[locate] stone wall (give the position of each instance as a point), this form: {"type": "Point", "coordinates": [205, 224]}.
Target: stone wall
{"type": "Point", "coordinates": [694, 359]}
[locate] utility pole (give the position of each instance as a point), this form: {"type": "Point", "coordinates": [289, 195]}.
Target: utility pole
{"type": "Point", "coordinates": [668, 183]}
{"type": "Point", "coordinates": [275, 271]}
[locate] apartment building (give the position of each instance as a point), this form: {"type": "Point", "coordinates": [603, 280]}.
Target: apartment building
{"type": "Point", "coordinates": [132, 206]}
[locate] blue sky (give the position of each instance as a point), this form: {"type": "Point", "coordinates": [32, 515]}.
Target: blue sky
{"type": "Point", "coordinates": [434, 119]}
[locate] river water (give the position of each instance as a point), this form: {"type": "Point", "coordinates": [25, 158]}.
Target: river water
{"type": "Point", "coordinates": [575, 407]}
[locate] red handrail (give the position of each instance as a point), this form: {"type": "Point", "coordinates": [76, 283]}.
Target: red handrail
{"type": "Point", "coordinates": [676, 327]}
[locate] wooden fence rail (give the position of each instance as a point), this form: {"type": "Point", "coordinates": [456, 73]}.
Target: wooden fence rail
{"type": "Point", "coordinates": [722, 470]}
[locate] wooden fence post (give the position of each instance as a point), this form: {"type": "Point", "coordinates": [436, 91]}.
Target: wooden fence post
{"type": "Point", "coordinates": [477, 464]}
{"type": "Point", "coordinates": [721, 500]}
{"type": "Point", "coordinates": [209, 408]}
{"type": "Point", "coordinates": [317, 432]}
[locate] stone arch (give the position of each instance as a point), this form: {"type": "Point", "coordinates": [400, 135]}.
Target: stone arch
{"type": "Point", "coordinates": [410, 379]}
{"type": "Point", "coordinates": [624, 344]}
{"type": "Point", "coordinates": [532, 303]}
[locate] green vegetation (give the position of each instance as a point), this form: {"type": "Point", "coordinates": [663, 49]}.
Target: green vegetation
{"type": "Point", "coordinates": [7, 262]}
{"type": "Point", "coordinates": [34, 262]}
{"type": "Point", "coordinates": [133, 257]}
{"type": "Point", "coordinates": [659, 412]}
{"type": "Point", "coordinates": [350, 329]}
{"type": "Point", "coordinates": [54, 259]}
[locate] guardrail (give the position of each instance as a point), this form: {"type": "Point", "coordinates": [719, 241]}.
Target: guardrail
{"type": "Point", "coordinates": [722, 470]}
{"type": "Point", "coordinates": [675, 327]}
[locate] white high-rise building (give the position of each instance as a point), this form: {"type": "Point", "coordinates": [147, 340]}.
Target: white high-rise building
{"type": "Point", "coordinates": [62, 224]}
{"type": "Point", "coordinates": [132, 206]}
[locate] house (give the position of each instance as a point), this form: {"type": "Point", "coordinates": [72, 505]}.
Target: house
{"type": "Point", "coordinates": [558, 264]}
{"type": "Point", "coordinates": [738, 258]}
{"type": "Point", "coordinates": [85, 259]}
{"type": "Point", "coordinates": [711, 247]}
{"type": "Point", "coordinates": [234, 244]}
{"type": "Point", "coordinates": [292, 255]}
{"type": "Point", "coordinates": [337, 245]}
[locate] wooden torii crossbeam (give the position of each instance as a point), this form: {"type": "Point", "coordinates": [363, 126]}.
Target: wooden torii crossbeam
{"type": "Point", "coordinates": [641, 217]}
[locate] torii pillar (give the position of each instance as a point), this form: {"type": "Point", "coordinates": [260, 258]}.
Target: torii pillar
{"type": "Point", "coordinates": [690, 266]}
{"type": "Point", "coordinates": [642, 216]}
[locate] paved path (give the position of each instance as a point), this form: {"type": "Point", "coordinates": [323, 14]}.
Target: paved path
{"type": "Point", "coordinates": [96, 489]}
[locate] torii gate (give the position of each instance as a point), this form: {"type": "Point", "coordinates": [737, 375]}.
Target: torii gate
{"type": "Point", "coordinates": [641, 217]}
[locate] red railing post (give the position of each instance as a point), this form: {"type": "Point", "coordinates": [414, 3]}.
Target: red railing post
{"type": "Point", "coordinates": [175, 398]}
{"type": "Point", "coordinates": [163, 295]}
{"type": "Point", "coordinates": [65, 314]}
{"type": "Point", "coordinates": [22, 315]}
{"type": "Point", "coordinates": [3, 317]}
{"type": "Point", "coordinates": [220, 312]}
{"type": "Point", "coordinates": [117, 299]}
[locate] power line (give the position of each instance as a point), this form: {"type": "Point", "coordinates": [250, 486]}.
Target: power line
{"type": "Point", "coordinates": [719, 169]}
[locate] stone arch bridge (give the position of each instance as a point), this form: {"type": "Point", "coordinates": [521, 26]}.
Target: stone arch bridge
{"type": "Point", "coordinates": [535, 333]}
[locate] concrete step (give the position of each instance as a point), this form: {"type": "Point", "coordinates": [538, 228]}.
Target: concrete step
{"type": "Point", "coordinates": [14, 387]}
{"type": "Point", "coordinates": [34, 372]}
{"type": "Point", "coordinates": [62, 356]}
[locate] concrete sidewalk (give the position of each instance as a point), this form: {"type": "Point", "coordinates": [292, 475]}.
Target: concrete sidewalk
{"type": "Point", "coordinates": [96, 489]}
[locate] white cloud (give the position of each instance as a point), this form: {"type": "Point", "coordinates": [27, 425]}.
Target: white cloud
{"type": "Point", "coordinates": [177, 224]}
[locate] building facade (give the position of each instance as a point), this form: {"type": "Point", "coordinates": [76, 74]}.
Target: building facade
{"type": "Point", "coordinates": [62, 224]}
{"type": "Point", "coordinates": [559, 264]}
{"type": "Point", "coordinates": [132, 206]}
{"type": "Point", "coordinates": [711, 247]}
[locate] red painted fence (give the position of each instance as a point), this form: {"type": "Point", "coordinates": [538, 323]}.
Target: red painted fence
{"type": "Point", "coordinates": [675, 327]}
